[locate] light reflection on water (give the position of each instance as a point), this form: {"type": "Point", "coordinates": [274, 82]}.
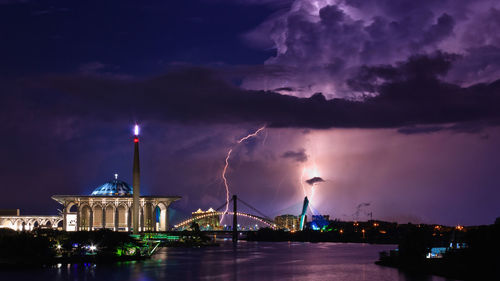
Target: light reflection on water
{"type": "Point", "coordinates": [248, 261]}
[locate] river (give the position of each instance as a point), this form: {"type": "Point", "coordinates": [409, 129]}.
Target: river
{"type": "Point", "coordinates": [247, 261]}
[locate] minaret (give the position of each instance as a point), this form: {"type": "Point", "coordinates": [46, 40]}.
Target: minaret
{"type": "Point", "coordinates": [303, 214]}
{"type": "Point", "coordinates": [136, 181]}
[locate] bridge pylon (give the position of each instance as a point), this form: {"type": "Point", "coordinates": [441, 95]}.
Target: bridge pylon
{"type": "Point", "coordinates": [235, 219]}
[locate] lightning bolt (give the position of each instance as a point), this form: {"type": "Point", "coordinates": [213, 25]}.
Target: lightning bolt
{"type": "Point", "coordinates": [313, 173]}
{"type": "Point", "coordinates": [226, 184]}
{"type": "Point", "coordinates": [224, 178]}
{"type": "Point", "coordinates": [251, 135]}
{"type": "Point", "coordinates": [302, 181]}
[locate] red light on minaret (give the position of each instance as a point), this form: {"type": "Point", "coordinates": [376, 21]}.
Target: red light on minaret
{"type": "Point", "coordinates": [136, 133]}
{"type": "Point", "coordinates": [136, 183]}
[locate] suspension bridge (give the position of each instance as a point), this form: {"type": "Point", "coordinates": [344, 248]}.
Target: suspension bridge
{"type": "Point", "coordinates": [257, 217]}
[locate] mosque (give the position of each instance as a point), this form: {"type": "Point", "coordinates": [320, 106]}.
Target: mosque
{"type": "Point", "coordinates": [115, 205]}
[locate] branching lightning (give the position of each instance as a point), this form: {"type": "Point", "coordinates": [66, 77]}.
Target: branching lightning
{"type": "Point", "coordinates": [225, 182]}
{"type": "Point", "coordinates": [251, 135]}
{"type": "Point", "coordinates": [224, 178]}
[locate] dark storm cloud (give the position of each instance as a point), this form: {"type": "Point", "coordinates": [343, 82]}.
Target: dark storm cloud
{"type": "Point", "coordinates": [407, 94]}
{"type": "Point", "coordinates": [323, 42]}
{"type": "Point", "coordinates": [299, 155]}
{"type": "Point", "coordinates": [284, 89]}
{"type": "Point", "coordinates": [420, 130]}
{"type": "Point", "coordinates": [479, 64]}
{"type": "Point", "coordinates": [438, 31]}
{"type": "Point", "coordinates": [314, 180]}
{"type": "Point", "coordinates": [417, 68]}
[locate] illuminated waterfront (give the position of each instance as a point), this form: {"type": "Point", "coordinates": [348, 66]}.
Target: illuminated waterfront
{"type": "Point", "coordinates": [249, 261]}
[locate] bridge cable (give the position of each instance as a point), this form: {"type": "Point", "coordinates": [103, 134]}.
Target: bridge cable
{"type": "Point", "coordinates": [259, 212]}
{"type": "Point", "coordinates": [224, 205]}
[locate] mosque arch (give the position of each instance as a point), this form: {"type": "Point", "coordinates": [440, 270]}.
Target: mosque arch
{"type": "Point", "coordinates": [162, 216]}
{"type": "Point", "coordinates": [16, 224]}
{"type": "Point", "coordinates": [122, 211]}
{"type": "Point", "coordinates": [85, 217]}
{"type": "Point", "coordinates": [149, 217]}
{"type": "Point", "coordinates": [7, 223]}
{"type": "Point", "coordinates": [97, 211]}
{"type": "Point", "coordinates": [110, 216]}
{"type": "Point", "coordinates": [22, 225]}
{"type": "Point", "coordinates": [71, 207]}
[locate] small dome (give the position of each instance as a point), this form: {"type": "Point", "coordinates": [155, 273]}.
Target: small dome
{"type": "Point", "coordinates": [115, 187]}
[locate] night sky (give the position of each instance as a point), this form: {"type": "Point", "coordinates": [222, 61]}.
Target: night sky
{"type": "Point", "coordinates": [394, 106]}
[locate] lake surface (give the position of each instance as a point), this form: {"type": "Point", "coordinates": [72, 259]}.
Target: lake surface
{"type": "Point", "coordinates": [247, 261]}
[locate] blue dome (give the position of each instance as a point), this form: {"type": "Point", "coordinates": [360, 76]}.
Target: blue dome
{"type": "Point", "coordinates": [115, 187]}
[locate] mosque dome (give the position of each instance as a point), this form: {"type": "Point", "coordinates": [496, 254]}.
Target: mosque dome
{"type": "Point", "coordinates": [115, 187]}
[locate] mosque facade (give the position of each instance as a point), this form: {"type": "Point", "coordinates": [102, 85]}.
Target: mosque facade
{"type": "Point", "coordinates": [109, 206]}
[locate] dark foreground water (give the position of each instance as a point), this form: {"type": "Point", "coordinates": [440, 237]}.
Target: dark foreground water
{"type": "Point", "coordinates": [248, 261]}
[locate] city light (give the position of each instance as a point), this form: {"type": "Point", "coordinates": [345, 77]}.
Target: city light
{"type": "Point", "coordinates": [190, 220]}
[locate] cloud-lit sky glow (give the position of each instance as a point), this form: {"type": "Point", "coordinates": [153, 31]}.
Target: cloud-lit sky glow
{"type": "Point", "coordinates": [391, 103]}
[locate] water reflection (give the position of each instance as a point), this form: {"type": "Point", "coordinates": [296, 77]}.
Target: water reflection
{"type": "Point", "coordinates": [248, 261]}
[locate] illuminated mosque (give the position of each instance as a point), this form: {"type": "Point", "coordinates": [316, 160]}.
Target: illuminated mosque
{"type": "Point", "coordinates": [115, 205]}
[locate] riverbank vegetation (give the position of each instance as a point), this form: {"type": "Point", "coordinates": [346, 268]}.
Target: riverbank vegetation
{"type": "Point", "coordinates": [373, 231]}
{"type": "Point", "coordinates": [48, 246]}
{"type": "Point", "coordinates": [471, 253]}
{"type": "Point", "coordinates": [51, 246]}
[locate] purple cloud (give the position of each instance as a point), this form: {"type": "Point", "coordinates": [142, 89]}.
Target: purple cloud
{"type": "Point", "coordinates": [323, 43]}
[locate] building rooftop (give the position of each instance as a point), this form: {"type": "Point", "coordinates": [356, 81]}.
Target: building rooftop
{"type": "Point", "coordinates": [115, 187]}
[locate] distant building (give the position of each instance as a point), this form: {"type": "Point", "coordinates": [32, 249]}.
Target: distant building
{"type": "Point", "coordinates": [319, 222]}
{"type": "Point", "coordinates": [207, 220]}
{"type": "Point", "coordinates": [9, 212]}
{"type": "Point", "coordinates": [287, 222]}
{"type": "Point", "coordinates": [12, 219]}
{"type": "Point", "coordinates": [320, 217]}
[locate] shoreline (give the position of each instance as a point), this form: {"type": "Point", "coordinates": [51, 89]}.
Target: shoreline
{"type": "Point", "coordinates": [436, 268]}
